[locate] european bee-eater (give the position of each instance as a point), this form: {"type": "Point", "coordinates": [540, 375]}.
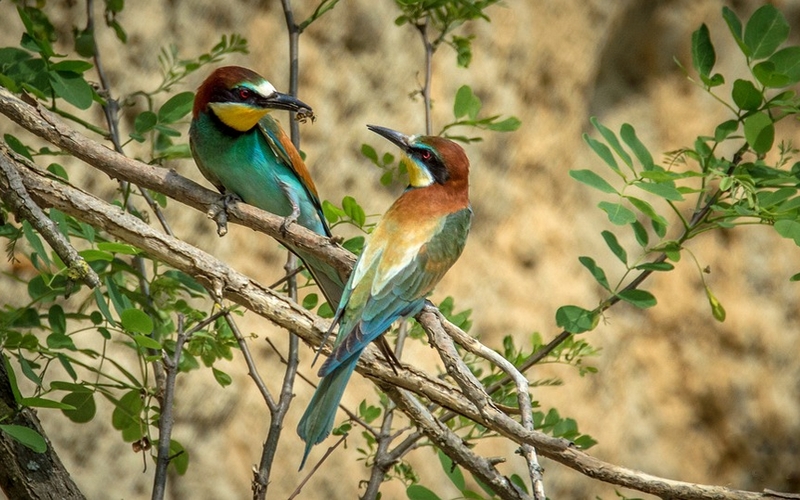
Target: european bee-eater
{"type": "Point", "coordinates": [414, 244]}
{"type": "Point", "coordinates": [244, 152]}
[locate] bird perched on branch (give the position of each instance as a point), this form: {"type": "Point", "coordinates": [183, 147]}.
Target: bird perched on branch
{"type": "Point", "coordinates": [246, 155]}
{"type": "Point", "coordinates": [411, 248]}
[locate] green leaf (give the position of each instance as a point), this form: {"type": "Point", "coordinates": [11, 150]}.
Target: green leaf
{"type": "Point", "coordinates": [120, 248]}
{"type": "Point", "coordinates": [370, 153]}
{"type": "Point", "coordinates": [74, 66]}
{"type": "Point", "coordinates": [452, 470]}
{"type": "Point", "coordinates": [768, 76]}
{"type": "Point", "coordinates": [617, 214]}
{"type": "Point", "coordinates": [136, 321]}
{"type": "Point", "coordinates": [628, 134]}
{"type": "Point", "coordinates": [716, 307]}
{"type": "Point", "coordinates": [35, 242]}
{"type": "Point", "coordinates": [179, 457]}
{"type": "Point", "coordinates": [655, 266]}
{"type": "Point", "coordinates": [735, 26]}
{"type": "Point", "coordinates": [597, 271]}
{"type": "Point", "coordinates": [576, 319]}
{"type": "Point", "coordinates": [466, 103]}
{"type": "Point", "coordinates": [67, 365]}
{"type": "Point", "coordinates": [176, 107]}
{"type": "Point", "coordinates": [310, 301]}
{"type": "Point", "coordinates": [92, 255]}
{"type": "Point", "coordinates": [72, 88]}
{"type": "Point", "coordinates": [787, 63]}
{"type": "Point", "coordinates": [789, 229]}
{"type": "Point", "coordinates": [146, 342]}
{"type": "Point", "coordinates": [17, 146]}
{"type": "Point", "coordinates": [663, 190]}
{"type": "Point", "coordinates": [703, 56]}
{"type": "Point", "coordinates": [584, 442]}
{"type": "Point", "coordinates": [603, 152]}
{"type": "Point", "coordinates": [12, 377]}
{"type": "Point", "coordinates": [591, 179]}
{"type": "Point", "coordinates": [759, 132]}
{"type": "Point", "coordinates": [221, 377]}
{"type": "Point", "coordinates": [85, 408]}
{"type": "Point", "coordinates": [60, 385]}
{"type": "Point", "coordinates": [510, 124]}
{"type": "Point", "coordinates": [648, 210]}
{"type": "Point", "coordinates": [103, 306]}
{"type": "Point", "coordinates": [27, 370]}
{"type": "Point", "coordinates": [25, 436]}
{"type": "Point", "coordinates": [45, 403]}
{"type": "Point", "coordinates": [640, 233]}
{"type": "Point", "coordinates": [57, 319]}
{"type": "Point", "coordinates": [419, 492]}
{"type": "Point", "coordinates": [353, 210]}
{"type": "Point", "coordinates": [612, 140]}
{"type": "Point", "coordinates": [145, 122]}
{"type": "Point", "coordinates": [746, 95]}
{"type": "Point", "coordinates": [60, 341]}
{"type": "Point", "coordinates": [766, 30]}
{"type": "Point", "coordinates": [639, 298]}
{"type": "Point", "coordinates": [615, 247]}
{"type": "Point", "coordinates": [127, 410]}
{"type": "Point", "coordinates": [119, 301]}
{"type": "Point", "coordinates": [725, 129]}
{"type": "Point", "coordinates": [58, 171]}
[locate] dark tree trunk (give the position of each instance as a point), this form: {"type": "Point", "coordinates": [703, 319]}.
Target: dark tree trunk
{"type": "Point", "coordinates": [25, 474]}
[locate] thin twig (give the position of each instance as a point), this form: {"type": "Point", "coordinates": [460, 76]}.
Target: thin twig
{"type": "Point", "coordinates": [314, 469]}
{"type": "Point", "coordinates": [165, 420]}
{"type": "Point", "coordinates": [279, 411]}
{"type": "Point", "coordinates": [350, 414]}
{"type": "Point", "coordinates": [453, 445]}
{"type": "Point", "coordinates": [474, 346]}
{"type": "Point", "coordinates": [252, 371]}
{"type": "Point", "coordinates": [426, 88]}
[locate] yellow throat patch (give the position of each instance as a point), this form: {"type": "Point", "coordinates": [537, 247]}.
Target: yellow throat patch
{"type": "Point", "coordinates": [238, 116]}
{"type": "Point", "coordinates": [417, 176]}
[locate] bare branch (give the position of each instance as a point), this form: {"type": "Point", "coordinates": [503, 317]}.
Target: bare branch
{"type": "Point", "coordinates": [165, 420]}
{"type": "Point", "coordinates": [474, 346]}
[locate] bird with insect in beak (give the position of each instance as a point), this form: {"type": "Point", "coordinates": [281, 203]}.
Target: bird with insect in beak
{"type": "Point", "coordinates": [246, 155]}
{"type": "Point", "coordinates": [418, 239]}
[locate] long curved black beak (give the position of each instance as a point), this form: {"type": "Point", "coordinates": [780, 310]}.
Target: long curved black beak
{"type": "Point", "coordinates": [399, 139]}
{"type": "Point", "coordinates": [277, 100]}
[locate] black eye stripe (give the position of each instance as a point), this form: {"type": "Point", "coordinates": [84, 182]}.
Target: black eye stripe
{"type": "Point", "coordinates": [434, 163]}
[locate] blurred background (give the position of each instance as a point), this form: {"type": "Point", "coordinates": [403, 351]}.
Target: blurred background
{"type": "Point", "coordinates": [678, 394]}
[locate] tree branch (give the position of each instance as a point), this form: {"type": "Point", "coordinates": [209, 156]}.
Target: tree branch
{"type": "Point", "coordinates": [17, 199]}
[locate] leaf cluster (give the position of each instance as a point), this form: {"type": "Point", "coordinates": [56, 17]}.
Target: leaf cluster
{"type": "Point", "coordinates": [757, 185]}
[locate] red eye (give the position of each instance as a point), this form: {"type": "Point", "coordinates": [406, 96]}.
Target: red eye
{"type": "Point", "coordinates": [245, 94]}
{"type": "Point", "coordinates": [425, 154]}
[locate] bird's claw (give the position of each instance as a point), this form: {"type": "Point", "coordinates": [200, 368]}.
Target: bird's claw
{"type": "Point", "coordinates": [290, 219]}
{"type": "Point", "coordinates": [287, 221]}
{"type": "Point", "coordinates": [218, 211]}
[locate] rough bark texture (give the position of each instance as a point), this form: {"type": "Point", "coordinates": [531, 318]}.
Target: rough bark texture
{"type": "Point", "coordinates": [25, 474]}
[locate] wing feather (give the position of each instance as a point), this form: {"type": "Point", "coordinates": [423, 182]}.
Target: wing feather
{"type": "Point", "coordinates": [371, 310]}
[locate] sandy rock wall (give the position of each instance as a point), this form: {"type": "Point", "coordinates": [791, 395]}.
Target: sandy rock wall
{"type": "Point", "coordinates": [678, 394]}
